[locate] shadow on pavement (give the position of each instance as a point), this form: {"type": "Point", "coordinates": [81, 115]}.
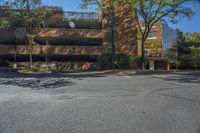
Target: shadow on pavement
{"type": "Point", "coordinates": [50, 75]}
{"type": "Point", "coordinates": [191, 77]}
{"type": "Point", "coordinates": [180, 98]}
{"type": "Point", "coordinates": [36, 83]}
{"type": "Point", "coordinates": [42, 81]}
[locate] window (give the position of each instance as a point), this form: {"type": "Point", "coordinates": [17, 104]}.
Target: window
{"type": "Point", "coordinates": [152, 35]}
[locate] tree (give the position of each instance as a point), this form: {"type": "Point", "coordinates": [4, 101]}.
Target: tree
{"type": "Point", "coordinates": [195, 53]}
{"type": "Point", "coordinates": [186, 45]}
{"type": "Point", "coordinates": [28, 14]}
{"type": "Point", "coordinates": [185, 41]}
{"type": "Point", "coordinates": [3, 23]}
{"type": "Point", "coordinates": [195, 37]}
{"type": "Point", "coordinates": [107, 8]}
{"type": "Point", "coordinates": [153, 11]}
{"type": "Point", "coordinates": [3, 8]}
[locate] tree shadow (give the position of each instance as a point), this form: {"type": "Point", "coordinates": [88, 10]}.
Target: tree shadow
{"type": "Point", "coordinates": [42, 81]}
{"type": "Point", "coordinates": [52, 75]}
{"type": "Point", "coordinates": [192, 77]}
{"type": "Point", "coordinates": [180, 98]}
{"type": "Point", "coordinates": [37, 83]}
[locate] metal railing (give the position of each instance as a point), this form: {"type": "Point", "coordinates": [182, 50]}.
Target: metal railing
{"type": "Point", "coordinates": [81, 16]}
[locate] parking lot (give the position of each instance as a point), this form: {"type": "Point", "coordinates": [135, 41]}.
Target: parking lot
{"type": "Point", "coordinates": [100, 103]}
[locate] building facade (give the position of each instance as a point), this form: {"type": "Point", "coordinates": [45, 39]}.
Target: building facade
{"type": "Point", "coordinates": [72, 39]}
{"type": "Point", "coordinates": [76, 40]}
{"type": "Point", "coordinates": [169, 37]}
{"type": "Point", "coordinates": [160, 39]}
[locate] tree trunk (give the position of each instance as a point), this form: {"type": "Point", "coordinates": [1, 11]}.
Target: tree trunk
{"type": "Point", "coordinates": [143, 55]}
{"type": "Point", "coordinates": [31, 60]}
{"type": "Point", "coordinates": [113, 45]}
{"type": "Point", "coordinates": [196, 66]}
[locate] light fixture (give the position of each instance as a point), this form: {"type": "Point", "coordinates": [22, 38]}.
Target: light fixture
{"type": "Point", "coordinates": [72, 24]}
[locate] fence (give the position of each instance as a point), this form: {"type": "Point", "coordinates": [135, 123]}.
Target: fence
{"type": "Point", "coordinates": [81, 16]}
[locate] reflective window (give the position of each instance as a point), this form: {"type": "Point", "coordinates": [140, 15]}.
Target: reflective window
{"type": "Point", "coordinates": [152, 35]}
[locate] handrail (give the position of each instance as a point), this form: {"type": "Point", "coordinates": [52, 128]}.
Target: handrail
{"type": "Point", "coordinates": [81, 15]}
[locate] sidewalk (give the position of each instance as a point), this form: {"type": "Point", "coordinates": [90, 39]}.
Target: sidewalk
{"type": "Point", "coordinates": [133, 72]}
{"type": "Point", "coordinates": [96, 73]}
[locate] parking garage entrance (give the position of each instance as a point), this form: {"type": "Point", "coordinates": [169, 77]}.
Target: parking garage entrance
{"type": "Point", "coordinates": [159, 63]}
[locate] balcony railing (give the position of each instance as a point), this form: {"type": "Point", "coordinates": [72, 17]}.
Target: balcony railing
{"type": "Point", "coordinates": [81, 16]}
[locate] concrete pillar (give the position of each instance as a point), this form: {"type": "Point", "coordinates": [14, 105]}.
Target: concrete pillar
{"type": "Point", "coordinates": [168, 65]}
{"type": "Point", "coordinates": [151, 64]}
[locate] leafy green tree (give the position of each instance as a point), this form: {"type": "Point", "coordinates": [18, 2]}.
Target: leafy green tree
{"type": "Point", "coordinates": [185, 41]}
{"type": "Point", "coordinates": [4, 23]}
{"type": "Point", "coordinates": [107, 8]}
{"type": "Point", "coordinates": [28, 14]}
{"type": "Point", "coordinates": [195, 53]}
{"type": "Point", "coordinates": [195, 37]}
{"type": "Point", "coordinates": [153, 11]}
{"type": "Point", "coordinates": [183, 44]}
{"type": "Point", "coordinates": [3, 7]}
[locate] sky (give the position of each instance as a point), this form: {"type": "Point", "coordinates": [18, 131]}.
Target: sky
{"type": "Point", "coordinates": [185, 25]}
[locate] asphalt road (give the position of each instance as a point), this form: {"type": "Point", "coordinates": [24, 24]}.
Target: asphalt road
{"type": "Point", "coordinates": [99, 103]}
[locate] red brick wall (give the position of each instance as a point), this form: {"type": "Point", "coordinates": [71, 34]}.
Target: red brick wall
{"type": "Point", "coordinates": [126, 29]}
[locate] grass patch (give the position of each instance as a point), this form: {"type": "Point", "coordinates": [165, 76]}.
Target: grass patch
{"type": "Point", "coordinates": [69, 71]}
{"type": "Point", "coordinates": [34, 70]}
{"type": "Point", "coordinates": [41, 69]}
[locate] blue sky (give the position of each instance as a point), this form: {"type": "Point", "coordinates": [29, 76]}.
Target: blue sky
{"type": "Point", "coordinates": [185, 25]}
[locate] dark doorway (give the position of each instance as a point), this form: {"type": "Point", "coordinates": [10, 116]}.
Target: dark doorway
{"type": "Point", "coordinates": [160, 65]}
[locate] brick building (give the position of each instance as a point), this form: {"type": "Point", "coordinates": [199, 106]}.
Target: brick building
{"type": "Point", "coordinates": [72, 39]}
{"type": "Point", "coordinates": [75, 39]}
{"type": "Point", "coordinates": [160, 39]}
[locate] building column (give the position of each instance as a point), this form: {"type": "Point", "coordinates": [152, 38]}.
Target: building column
{"type": "Point", "coordinates": [125, 28]}
{"type": "Point", "coordinates": [151, 65]}
{"type": "Point", "coordinates": [168, 65]}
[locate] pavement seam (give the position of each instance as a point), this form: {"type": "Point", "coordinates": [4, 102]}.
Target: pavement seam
{"type": "Point", "coordinates": [170, 88]}
{"type": "Point", "coordinates": [180, 98]}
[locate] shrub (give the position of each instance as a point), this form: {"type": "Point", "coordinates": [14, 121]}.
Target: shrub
{"type": "Point", "coordinates": [138, 62]}
{"type": "Point", "coordinates": [186, 62]}
{"type": "Point", "coordinates": [132, 61]}
{"type": "Point", "coordinates": [122, 61]}
{"type": "Point", "coordinates": [105, 61]}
